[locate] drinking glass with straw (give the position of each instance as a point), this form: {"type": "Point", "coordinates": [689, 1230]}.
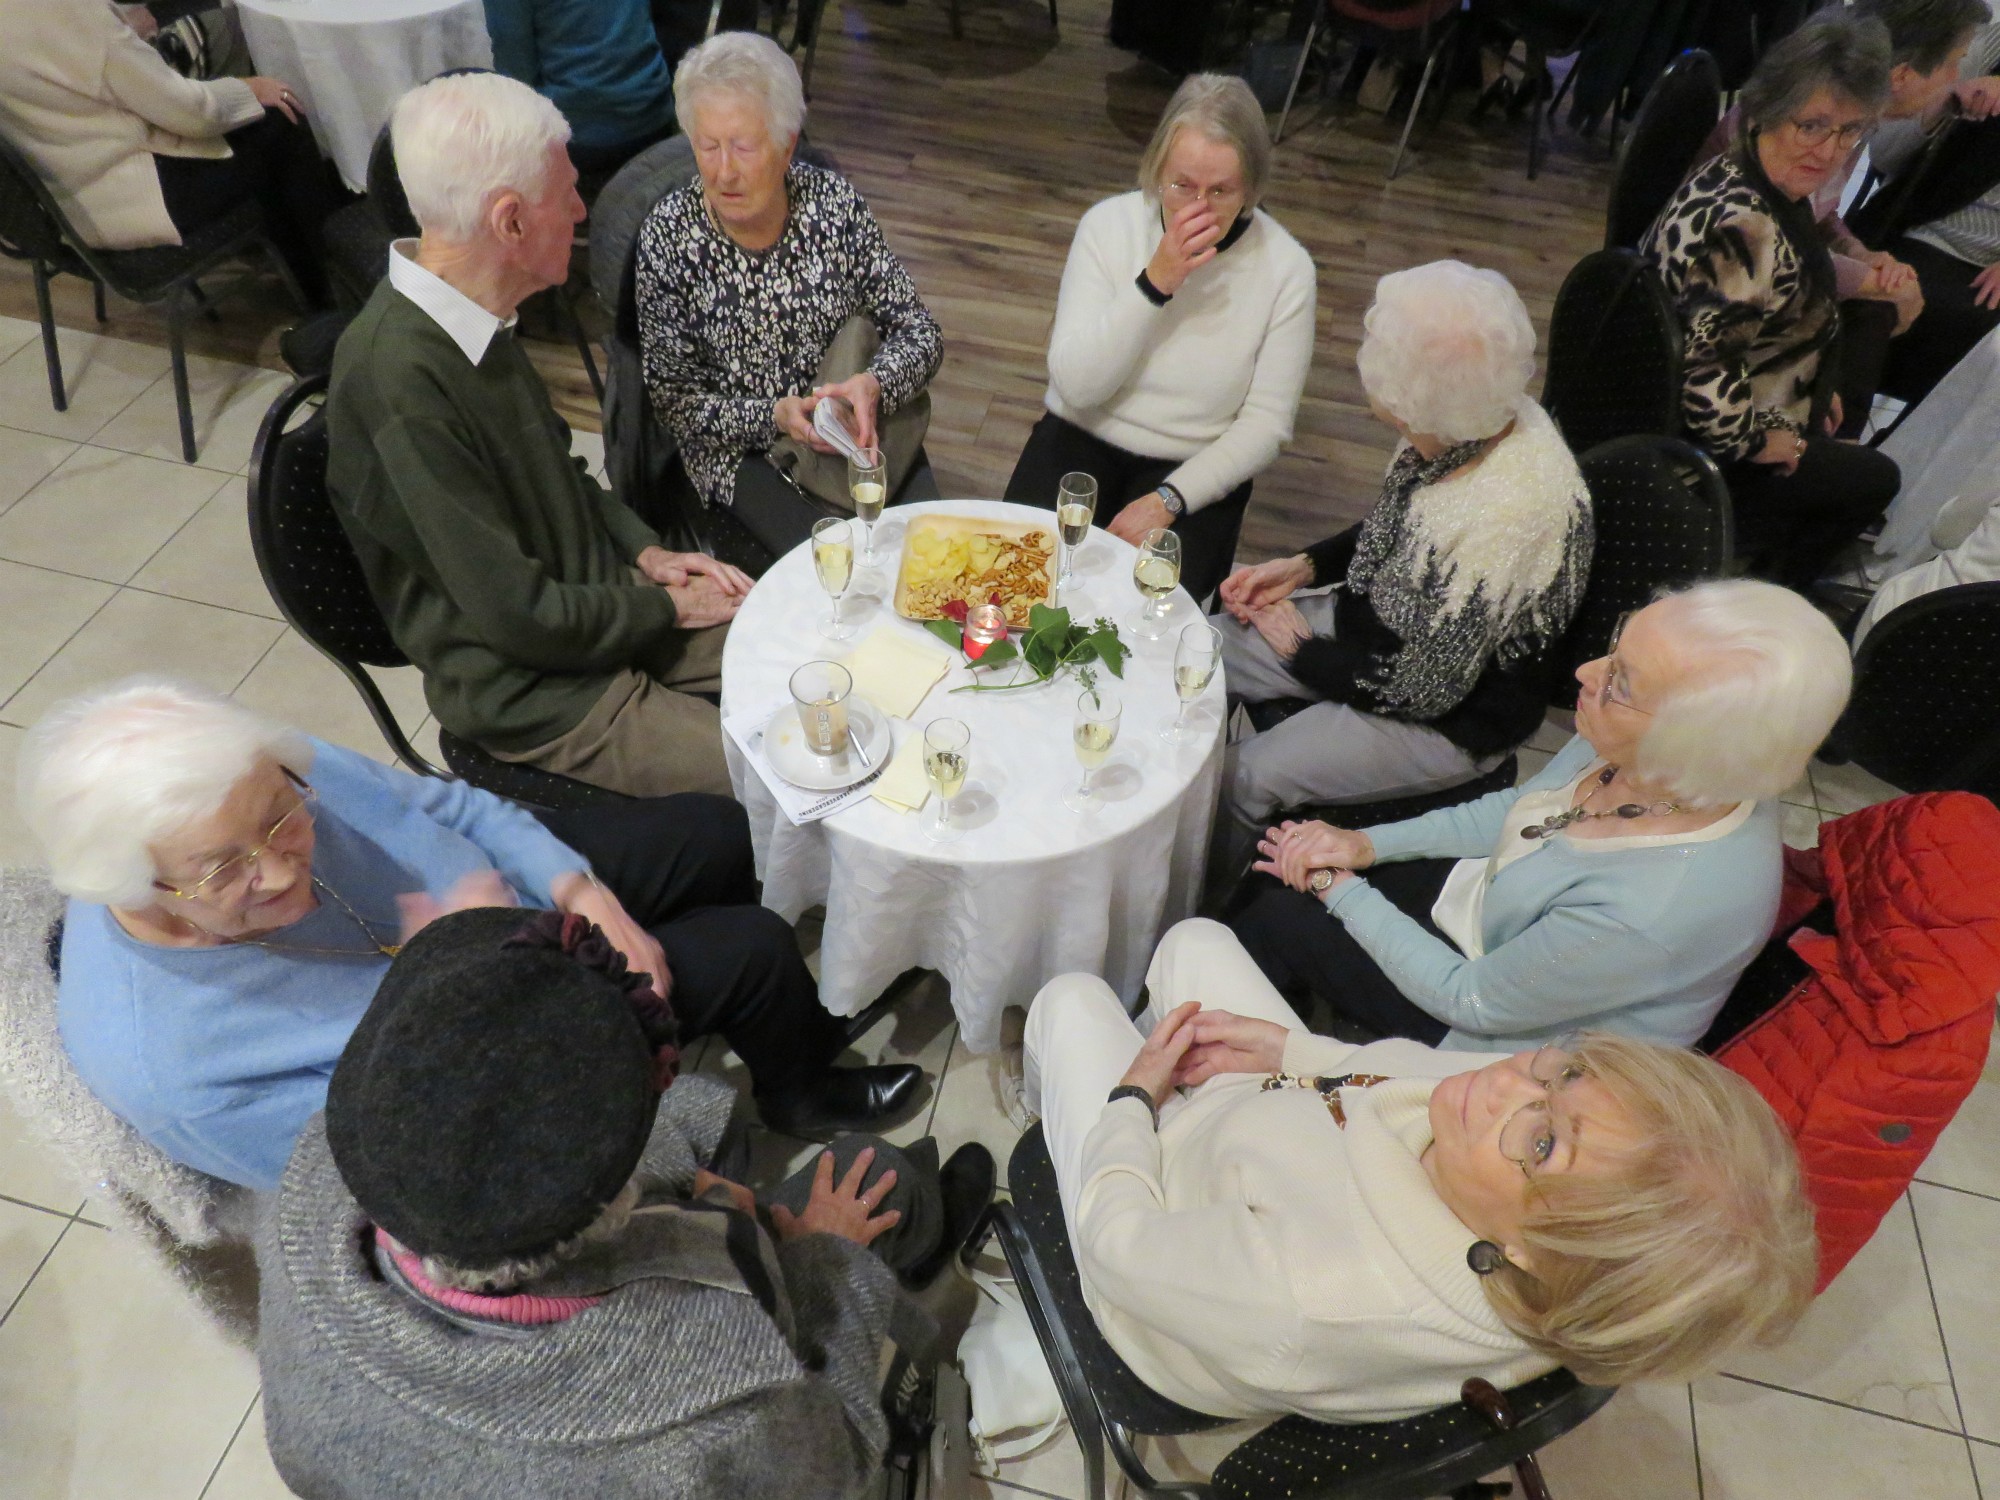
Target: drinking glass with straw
{"type": "Point", "coordinates": [1092, 733]}
{"type": "Point", "coordinates": [1157, 573]}
{"type": "Point", "coordinates": [1195, 659]}
{"type": "Point", "coordinates": [868, 486]}
{"type": "Point", "coordinates": [947, 757]}
{"type": "Point", "coordinates": [1076, 508]}
{"type": "Point", "coordinates": [833, 560]}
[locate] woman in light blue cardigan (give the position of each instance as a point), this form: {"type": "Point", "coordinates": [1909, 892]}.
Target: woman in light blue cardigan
{"type": "Point", "coordinates": [1624, 888]}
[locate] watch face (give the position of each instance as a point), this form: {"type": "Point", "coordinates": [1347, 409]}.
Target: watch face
{"type": "Point", "coordinates": [1322, 879]}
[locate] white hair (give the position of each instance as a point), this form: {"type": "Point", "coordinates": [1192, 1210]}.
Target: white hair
{"type": "Point", "coordinates": [1448, 350]}
{"type": "Point", "coordinates": [1766, 676]}
{"type": "Point", "coordinates": [742, 62]}
{"type": "Point", "coordinates": [109, 774]}
{"type": "Point", "coordinates": [464, 139]}
{"type": "Point", "coordinates": [1223, 109]}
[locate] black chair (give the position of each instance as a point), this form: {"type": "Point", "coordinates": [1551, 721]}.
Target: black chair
{"type": "Point", "coordinates": [33, 228]}
{"type": "Point", "coordinates": [1409, 29]}
{"type": "Point", "coordinates": [1663, 520]}
{"type": "Point", "coordinates": [1442, 1452]}
{"type": "Point", "coordinates": [1546, 29]}
{"type": "Point", "coordinates": [1614, 352]}
{"type": "Point", "coordinates": [315, 579]}
{"type": "Point", "coordinates": [1925, 712]}
{"type": "Point", "coordinates": [1680, 110]}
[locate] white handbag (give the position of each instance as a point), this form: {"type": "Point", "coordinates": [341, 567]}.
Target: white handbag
{"type": "Point", "coordinates": [1015, 1405]}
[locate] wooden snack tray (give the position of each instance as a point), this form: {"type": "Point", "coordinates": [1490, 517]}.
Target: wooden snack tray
{"type": "Point", "coordinates": [948, 526]}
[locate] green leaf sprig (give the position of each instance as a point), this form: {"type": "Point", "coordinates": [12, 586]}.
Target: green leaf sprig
{"type": "Point", "coordinates": [1051, 645]}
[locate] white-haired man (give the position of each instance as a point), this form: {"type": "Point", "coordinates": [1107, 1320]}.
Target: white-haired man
{"type": "Point", "coordinates": [551, 626]}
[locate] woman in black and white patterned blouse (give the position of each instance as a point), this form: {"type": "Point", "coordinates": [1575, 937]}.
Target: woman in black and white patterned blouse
{"type": "Point", "coordinates": [745, 276]}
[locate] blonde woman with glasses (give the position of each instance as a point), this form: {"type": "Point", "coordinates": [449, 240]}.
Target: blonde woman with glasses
{"type": "Point", "coordinates": [1183, 332]}
{"type": "Point", "coordinates": [1623, 887]}
{"type": "Point", "coordinates": [1268, 1221]}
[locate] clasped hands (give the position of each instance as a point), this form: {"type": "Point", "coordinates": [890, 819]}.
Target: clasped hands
{"type": "Point", "coordinates": [1192, 1045]}
{"type": "Point", "coordinates": [704, 591]}
{"type": "Point", "coordinates": [1261, 597]}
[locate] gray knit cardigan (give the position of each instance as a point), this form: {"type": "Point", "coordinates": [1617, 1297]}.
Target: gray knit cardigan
{"type": "Point", "coordinates": [665, 1388]}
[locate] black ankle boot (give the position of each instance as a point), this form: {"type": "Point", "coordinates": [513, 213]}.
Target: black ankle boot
{"type": "Point", "coordinates": [845, 1099]}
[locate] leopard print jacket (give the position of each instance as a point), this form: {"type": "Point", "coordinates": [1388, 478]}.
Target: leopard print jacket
{"type": "Point", "coordinates": [724, 332]}
{"type": "Point", "coordinates": [1754, 324]}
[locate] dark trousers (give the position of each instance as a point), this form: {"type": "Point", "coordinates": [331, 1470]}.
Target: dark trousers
{"type": "Point", "coordinates": [1304, 951]}
{"type": "Point", "coordinates": [1792, 526]}
{"type": "Point", "coordinates": [682, 867]}
{"type": "Point", "coordinates": [780, 515]}
{"type": "Point", "coordinates": [1057, 447]}
{"type": "Point", "coordinates": [1945, 331]}
{"type": "Point", "coordinates": [277, 165]}
{"type": "Point", "coordinates": [1867, 327]}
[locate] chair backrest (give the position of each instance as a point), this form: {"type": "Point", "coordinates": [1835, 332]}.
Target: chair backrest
{"type": "Point", "coordinates": [308, 562]}
{"type": "Point", "coordinates": [385, 188]}
{"type": "Point", "coordinates": [1679, 111]}
{"type": "Point", "coordinates": [1614, 352]}
{"type": "Point", "coordinates": [1925, 713]}
{"type": "Point", "coordinates": [31, 226]}
{"type": "Point", "coordinates": [1662, 517]}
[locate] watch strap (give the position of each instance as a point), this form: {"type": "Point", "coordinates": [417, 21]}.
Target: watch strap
{"type": "Point", "coordinates": [1174, 499]}
{"type": "Point", "coordinates": [1133, 1091]}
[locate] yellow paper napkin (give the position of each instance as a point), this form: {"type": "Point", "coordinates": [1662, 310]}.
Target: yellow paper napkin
{"type": "Point", "coordinates": [893, 670]}
{"type": "Point", "coordinates": [902, 786]}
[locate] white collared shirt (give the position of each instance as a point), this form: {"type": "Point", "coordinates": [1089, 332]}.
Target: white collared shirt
{"type": "Point", "coordinates": [471, 326]}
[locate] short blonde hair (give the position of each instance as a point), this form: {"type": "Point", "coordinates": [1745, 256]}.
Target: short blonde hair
{"type": "Point", "coordinates": [1698, 1242]}
{"type": "Point", "coordinates": [463, 139]}
{"type": "Point", "coordinates": [1447, 350]}
{"type": "Point", "coordinates": [1768, 675]}
{"type": "Point", "coordinates": [747, 63]}
{"type": "Point", "coordinates": [1223, 109]}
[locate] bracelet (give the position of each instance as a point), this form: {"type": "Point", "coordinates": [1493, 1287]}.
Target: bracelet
{"type": "Point", "coordinates": [1133, 1091]}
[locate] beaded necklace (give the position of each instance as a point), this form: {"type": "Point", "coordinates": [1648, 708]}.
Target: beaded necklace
{"type": "Point", "coordinates": [1554, 823]}
{"type": "Point", "coordinates": [1327, 1086]}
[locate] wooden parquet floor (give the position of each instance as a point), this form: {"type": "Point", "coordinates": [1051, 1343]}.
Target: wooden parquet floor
{"type": "Point", "coordinates": [979, 155]}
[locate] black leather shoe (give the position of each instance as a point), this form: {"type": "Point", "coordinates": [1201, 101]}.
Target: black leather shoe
{"type": "Point", "coordinates": [845, 1099]}
{"type": "Point", "coordinates": [966, 1184]}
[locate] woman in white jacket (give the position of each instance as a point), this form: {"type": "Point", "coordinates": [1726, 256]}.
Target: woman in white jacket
{"type": "Point", "coordinates": [137, 155]}
{"type": "Point", "coordinates": [1183, 332]}
{"type": "Point", "coordinates": [1348, 1233]}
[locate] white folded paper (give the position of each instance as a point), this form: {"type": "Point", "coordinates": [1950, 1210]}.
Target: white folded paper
{"type": "Point", "coordinates": [895, 670]}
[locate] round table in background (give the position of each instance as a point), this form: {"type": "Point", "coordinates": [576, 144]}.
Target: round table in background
{"type": "Point", "coordinates": [1031, 890]}
{"type": "Point", "coordinates": [349, 61]}
{"type": "Point", "coordinates": [1947, 447]}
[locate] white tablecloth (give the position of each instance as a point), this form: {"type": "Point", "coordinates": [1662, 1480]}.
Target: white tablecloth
{"type": "Point", "coordinates": [1032, 890]}
{"type": "Point", "coordinates": [351, 60]}
{"type": "Point", "coordinates": [1948, 445]}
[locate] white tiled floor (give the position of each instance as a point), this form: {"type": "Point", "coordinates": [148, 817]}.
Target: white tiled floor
{"type": "Point", "coordinates": [116, 557]}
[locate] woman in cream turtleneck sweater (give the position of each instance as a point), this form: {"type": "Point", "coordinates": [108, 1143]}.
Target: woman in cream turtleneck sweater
{"type": "Point", "coordinates": [1348, 1233]}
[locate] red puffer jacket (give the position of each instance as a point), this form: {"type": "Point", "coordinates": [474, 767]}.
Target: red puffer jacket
{"type": "Point", "coordinates": [1869, 1056]}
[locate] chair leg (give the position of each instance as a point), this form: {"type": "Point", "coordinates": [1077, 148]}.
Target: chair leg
{"type": "Point", "coordinates": [291, 282]}
{"type": "Point", "coordinates": [1535, 118]}
{"type": "Point", "coordinates": [582, 341]}
{"type": "Point", "coordinates": [957, 22]}
{"type": "Point", "coordinates": [97, 298]}
{"type": "Point", "coordinates": [176, 330]}
{"type": "Point", "coordinates": [1298, 72]}
{"type": "Point", "coordinates": [51, 355]}
{"type": "Point", "coordinates": [1416, 106]}
{"type": "Point", "coordinates": [806, 70]}
{"type": "Point", "coordinates": [1054, 24]}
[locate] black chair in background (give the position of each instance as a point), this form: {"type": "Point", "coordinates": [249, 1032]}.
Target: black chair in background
{"type": "Point", "coordinates": [1404, 29]}
{"type": "Point", "coordinates": [33, 228]}
{"type": "Point", "coordinates": [1679, 111]}
{"type": "Point", "coordinates": [1663, 521]}
{"type": "Point", "coordinates": [1546, 29]}
{"type": "Point", "coordinates": [1443, 1452]}
{"type": "Point", "coordinates": [1925, 712]}
{"type": "Point", "coordinates": [1614, 352]}
{"type": "Point", "coordinates": [316, 581]}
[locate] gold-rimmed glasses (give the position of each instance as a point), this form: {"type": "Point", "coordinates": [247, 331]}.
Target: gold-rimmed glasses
{"type": "Point", "coordinates": [232, 877]}
{"type": "Point", "coordinates": [1180, 192]}
{"type": "Point", "coordinates": [1614, 688]}
{"type": "Point", "coordinates": [1532, 1134]}
{"type": "Point", "coordinates": [1818, 132]}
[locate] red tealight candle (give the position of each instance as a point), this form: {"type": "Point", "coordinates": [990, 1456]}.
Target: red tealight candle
{"type": "Point", "coordinates": [984, 624]}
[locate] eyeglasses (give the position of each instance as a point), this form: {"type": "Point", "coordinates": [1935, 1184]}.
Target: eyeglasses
{"type": "Point", "coordinates": [1818, 132]}
{"type": "Point", "coordinates": [1186, 192]}
{"type": "Point", "coordinates": [232, 877]}
{"type": "Point", "coordinates": [1531, 1135]}
{"type": "Point", "coordinates": [1614, 688]}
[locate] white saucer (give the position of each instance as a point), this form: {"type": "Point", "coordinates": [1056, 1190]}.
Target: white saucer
{"type": "Point", "coordinates": [793, 759]}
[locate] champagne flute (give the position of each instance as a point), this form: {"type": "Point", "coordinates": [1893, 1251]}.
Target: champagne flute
{"type": "Point", "coordinates": [1195, 661]}
{"type": "Point", "coordinates": [1092, 734]}
{"type": "Point", "coordinates": [833, 560]}
{"type": "Point", "coordinates": [868, 485]}
{"type": "Point", "coordinates": [1076, 507]}
{"type": "Point", "coordinates": [947, 756]}
{"type": "Point", "coordinates": [1157, 572]}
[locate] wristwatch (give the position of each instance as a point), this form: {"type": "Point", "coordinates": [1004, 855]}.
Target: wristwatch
{"type": "Point", "coordinates": [1322, 881]}
{"type": "Point", "coordinates": [1133, 1091]}
{"type": "Point", "coordinates": [1171, 498]}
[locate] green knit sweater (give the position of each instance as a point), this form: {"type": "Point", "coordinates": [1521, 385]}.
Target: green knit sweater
{"type": "Point", "coordinates": [504, 570]}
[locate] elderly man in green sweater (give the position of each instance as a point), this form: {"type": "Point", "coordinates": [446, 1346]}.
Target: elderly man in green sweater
{"type": "Point", "coordinates": [551, 626]}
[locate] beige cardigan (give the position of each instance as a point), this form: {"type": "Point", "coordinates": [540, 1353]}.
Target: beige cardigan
{"type": "Point", "coordinates": [88, 104]}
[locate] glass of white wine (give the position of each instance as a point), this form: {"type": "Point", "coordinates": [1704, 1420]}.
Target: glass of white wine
{"type": "Point", "coordinates": [868, 485]}
{"type": "Point", "coordinates": [1195, 661]}
{"type": "Point", "coordinates": [833, 560]}
{"type": "Point", "coordinates": [1076, 508]}
{"type": "Point", "coordinates": [1093, 732]}
{"type": "Point", "coordinates": [1157, 572]}
{"type": "Point", "coordinates": [947, 756]}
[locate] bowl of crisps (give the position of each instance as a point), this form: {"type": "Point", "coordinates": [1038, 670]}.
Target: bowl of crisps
{"type": "Point", "coordinates": [971, 560]}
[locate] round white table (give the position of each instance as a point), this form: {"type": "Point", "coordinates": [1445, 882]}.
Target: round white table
{"type": "Point", "coordinates": [351, 60]}
{"type": "Point", "coordinates": [1949, 445]}
{"type": "Point", "coordinates": [1031, 890]}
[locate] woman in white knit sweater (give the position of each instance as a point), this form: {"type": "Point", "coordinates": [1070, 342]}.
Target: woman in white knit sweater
{"type": "Point", "coordinates": [1183, 332]}
{"type": "Point", "coordinates": [1348, 1233]}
